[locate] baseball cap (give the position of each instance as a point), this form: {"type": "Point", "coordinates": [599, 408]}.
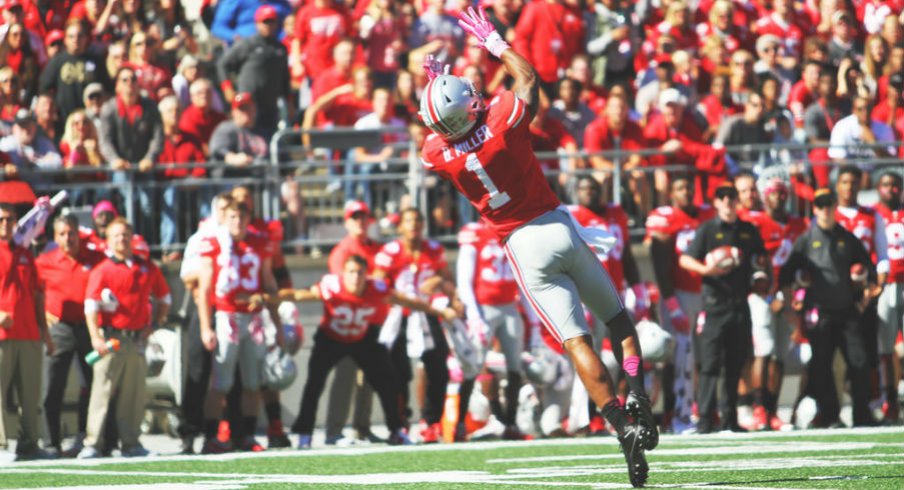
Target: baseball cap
{"type": "Point", "coordinates": [352, 207]}
{"type": "Point", "coordinates": [840, 15]}
{"type": "Point", "coordinates": [726, 189]}
{"type": "Point", "coordinates": [103, 206]}
{"type": "Point", "coordinates": [242, 99]}
{"type": "Point", "coordinates": [766, 40]}
{"type": "Point", "coordinates": [823, 197]}
{"type": "Point", "coordinates": [93, 88]}
{"type": "Point", "coordinates": [53, 36]}
{"type": "Point", "coordinates": [663, 59]}
{"type": "Point", "coordinates": [671, 96]}
{"type": "Point", "coordinates": [24, 116]}
{"type": "Point", "coordinates": [265, 13]}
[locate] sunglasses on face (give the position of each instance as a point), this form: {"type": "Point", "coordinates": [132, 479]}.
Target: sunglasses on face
{"type": "Point", "coordinates": [723, 194]}
{"type": "Point", "coordinates": [7, 219]}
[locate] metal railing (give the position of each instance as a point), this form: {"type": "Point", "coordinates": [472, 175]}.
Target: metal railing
{"type": "Point", "coordinates": [312, 162]}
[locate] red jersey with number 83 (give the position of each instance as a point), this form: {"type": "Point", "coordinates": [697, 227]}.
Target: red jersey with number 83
{"type": "Point", "coordinates": [237, 271]}
{"type": "Point", "coordinates": [494, 281]}
{"type": "Point", "coordinates": [346, 316]}
{"type": "Point", "coordinates": [494, 166]}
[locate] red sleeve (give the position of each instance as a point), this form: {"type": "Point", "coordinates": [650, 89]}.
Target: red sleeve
{"type": "Point", "coordinates": [506, 112]}
{"type": "Point", "coordinates": [657, 223]}
{"type": "Point", "coordinates": [593, 136]}
{"type": "Point", "coordinates": [524, 32]}
{"type": "Point", "coordinates": [301, 24]}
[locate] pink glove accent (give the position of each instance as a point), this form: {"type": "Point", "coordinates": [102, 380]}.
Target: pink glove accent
{"type": "Point", "coordinates": [476, 24]}
{"type": "Point", "coordinates": [434, 68]}
{"type": "Point", "coordinates": [631, 365]}
{"type": "Point", "coordinates": [677, 317]}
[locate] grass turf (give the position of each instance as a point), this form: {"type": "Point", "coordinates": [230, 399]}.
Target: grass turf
{"type": "Point", "coordinates": [826, 459]}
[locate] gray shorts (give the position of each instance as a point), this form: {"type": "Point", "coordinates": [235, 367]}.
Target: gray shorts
{"type": "Point", "coordinates": [771, 331]}
{"type": "Point", "coordinates": [891, 316]}
{"type": "Point", "coordinates": [240, 341]}
{"type": "Point", "coordinates": [505, 324]}
{"type": "Point", "coordinates": [557, 271]}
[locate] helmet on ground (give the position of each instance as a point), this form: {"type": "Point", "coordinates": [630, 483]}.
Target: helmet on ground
{"type": "Point", "coordinates": [280, 370]}
{"type": "Point", "coordinates": [450, 106]}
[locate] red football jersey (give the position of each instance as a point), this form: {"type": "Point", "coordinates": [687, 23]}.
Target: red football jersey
{"type": "Point", "coordinates": [615, 221]}
{"type": "Point", "coordinates": [347, 317]}
{"type": "Point", "coordinates": [495, 167]}
{"type": "Point", "coordinates": [894, 233]}
{"type": "Point", "coordinates": [494, 281]}
{"type": "Point", "coordinates": [237, 271]}
{"type": "Point", "coordinates": [405, 272]}
{"type": "Point", "coordinates": [675, 222]}
{"type": "Point", "coordinates": [861, 222]}
{"type": "Point", "coordinates": [778, 237]}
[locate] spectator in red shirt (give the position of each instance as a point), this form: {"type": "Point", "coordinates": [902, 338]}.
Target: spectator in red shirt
{"type": "Point", "coordinates": [614, 130]}
{"type": "Point", "coordinates": [678, 24]}
{"type": "Point", "coordinates": [345, 107]}
{"type": "Point", "coordinates": [722, 23]}
{"type": "Point", "coordinates": [891, 110]}
{"type": "Point", "coordinates": [151, 78]}
{"type": "Point", "coordinates": [340, 73]}
{"type": "Point", "coordinates": [63, 273]}
{"type": "Point", "coordinates": [319, 26]}
{"type": "Point", "coordinates": [382, 29]}
{"type": "Point", "coordinates": [15, 13]}
{"type": "Point", "coordinates": [679, 138]}
{"type": "Point", "coordinates": [179, 148]}
{"type": "Point", "coordinates": [548, 135]}
{"type": "Point", "coordinates": [17, 53]}
{"type": "Point", "coordinates": [22, 328]}
{"type": "Point", "coordinates": [549, 33]}
{"type": "Point", "coordinates": [200, 119]}
{"type": "Point", "coordinates": [79, 149]}
{"type": "Point", "coordinates": [787, 26]}
{"type": "Point", "coordinates": [716, 106]}
{"type": "Point", "coordinates": [803, 93]}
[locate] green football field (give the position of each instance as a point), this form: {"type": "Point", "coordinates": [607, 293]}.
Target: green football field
{"type": "Point", "coordinates": [872, 459]}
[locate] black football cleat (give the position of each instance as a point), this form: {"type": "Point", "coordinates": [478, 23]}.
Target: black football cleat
{"type": "Point", "coordinates": [632, 447]}
{"type": "Point", "coordinates": [638, 407]}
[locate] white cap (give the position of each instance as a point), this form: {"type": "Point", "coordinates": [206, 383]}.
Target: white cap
{"type": "Point", "coordinates": [671, 96]}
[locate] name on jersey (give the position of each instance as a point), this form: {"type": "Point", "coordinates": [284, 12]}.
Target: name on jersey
{"type": "Point", "coordinates": [478, 137]}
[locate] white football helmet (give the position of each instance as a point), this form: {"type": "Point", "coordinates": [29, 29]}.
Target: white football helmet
{"type": "Point", "coordinates": [450, 106]}
{"type": "Point", "coordinates": [280, 370]}
{"type": "Point", "coordinates": [655, 343]}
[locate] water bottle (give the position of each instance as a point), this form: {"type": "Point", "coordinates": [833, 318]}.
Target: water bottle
{"type": "Point", "coordinates": [94, 356]}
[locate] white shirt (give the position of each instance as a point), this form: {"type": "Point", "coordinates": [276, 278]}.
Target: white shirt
{"type": "Point", "coordinates": [847, 134]}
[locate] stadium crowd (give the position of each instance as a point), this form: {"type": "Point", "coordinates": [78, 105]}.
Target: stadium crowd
{"type": "Point", "coordinates": [129, 91]}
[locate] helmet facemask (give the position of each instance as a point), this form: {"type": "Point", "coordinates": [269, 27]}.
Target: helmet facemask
{"type": "Point", "coordinates": [451, 106]}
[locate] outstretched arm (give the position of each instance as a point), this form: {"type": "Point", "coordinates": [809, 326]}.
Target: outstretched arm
{"type": "Point", "coordinates": [527, 84]}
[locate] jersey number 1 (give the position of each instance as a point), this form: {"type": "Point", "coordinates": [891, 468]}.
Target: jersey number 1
{"type": "Point", "coordinates": [497, 199]}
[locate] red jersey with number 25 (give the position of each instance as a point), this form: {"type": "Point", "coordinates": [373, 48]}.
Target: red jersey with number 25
{"type": "Point", "coordinates": [237, 271]}
{"type": "Point", "coordinates": [615, 221]}
{"type": "Point", "coordinates": [894, 234]}
{"type": "Point", "coordinates": [778, 237]}
{"type": "Point", "coordinates": [673, 221]}
{"type": "Point", "coordinates": [494, 282]}
{"type": "Point", "coordinates": [346, 316]}
{"type": "Point", "coordinates": [494, 167]}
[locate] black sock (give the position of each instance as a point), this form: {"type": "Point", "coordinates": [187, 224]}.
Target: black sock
{"type": "Point", "coordinates": [496, 407]}
{"type": "Point", "coordinates": [249, 424]}
{"type": "Point", "coordinates": [273, 411]}
{"type": "Point", "coordinates": [464, 399]}
{"type": "Point", "coordinates": [210, 428]}
{"type": "Point", "coordinates": [745, 400]}
{"type": "Point", "coordinates": [759, 397]}
{"type": "Point", "coordinates": [614, 413]}
{"type": "Point", "coordinates": [512, 389]}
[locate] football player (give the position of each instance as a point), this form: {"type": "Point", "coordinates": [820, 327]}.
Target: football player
{"type": "Point", "coordinates": [670, 229]}
{"type": "Point", "coordinates": [485, 152]}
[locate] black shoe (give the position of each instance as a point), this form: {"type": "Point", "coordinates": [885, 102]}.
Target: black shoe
{"type": "Point", "coordinates": [638, 407]}
{"type": "Point", "coordinates": [632, 447]}
{"type": "Point", "coordinates": [733, 427]}
{"type": "Point", "coordinates": [278, 441]}
{"type": "Point", "coordinates": [188, 445]}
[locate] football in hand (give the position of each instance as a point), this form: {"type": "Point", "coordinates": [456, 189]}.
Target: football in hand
{"type": "Point", "coordinates": [858, 275]}
{"type": "Point", "coordinates": [725, 257]}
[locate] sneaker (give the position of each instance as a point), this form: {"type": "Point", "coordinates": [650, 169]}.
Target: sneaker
{"type": "Point", "coordinates": [188, 445]}
{"type": "Point", "coordinates": [89, 452]}
{"type": "Point", "coordinates": [432, 433]}
{"type": "Point", "coordinates": [632, 447]}
{"type": "Point", "coordinates": [368, 436]}
{"type": "Point", "coordinates": [278, 441]}
{"type": "Point", "coordinates": [890, 413]}
{"type": "Point", "coordinates": [461, 432]}
{"type": "Point", "coordinates": [760, 418]}
{"type": "Point", "coordinates": [638, 407]}
{"type": "Point", "coordinates": [138, 451]}
{"type": "Point", "coordinates": [216, 446]}
{"type": "Point", "coordinates": [224, 433]}
{"type": "Point", "coordinates": [52, 452]}
{"type": "Point", "coordinates": [775, 423]}
{"type": "Point", "coordinates": [399, 438]}
{"type": "Point", "coordinates": [77, 445]}
{"type": "Point", "coordinates": [513, 433]}
{"type": "Point", "coordinates": [250, 445]}
{"type": "Point", "coordinates": [304, 441]}
{"type": "Point", "coordinates": [597, 426]}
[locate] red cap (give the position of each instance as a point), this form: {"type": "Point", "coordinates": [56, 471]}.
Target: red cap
{"type": "Point", "coordinates": [265, 13]}
{"type": "Point", "coordinates": [663, 58]}
{"type": "Point", "coordinates": [775, 185]}
{"type": "Point", "coordinates": [352, 207]}
{"type": "Point", "coordinates": [53, 36]}
{"type": "Point", "coordinates": [241, 99]}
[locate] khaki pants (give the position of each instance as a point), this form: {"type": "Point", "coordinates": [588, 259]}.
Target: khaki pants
{"type": "Point", "coordinates": [120, 374]}
{"type": "Point", "coordinates": [20, 365]}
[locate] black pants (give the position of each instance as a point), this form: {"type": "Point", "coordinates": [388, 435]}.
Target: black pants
{"type": "Point", "coordinates": [839, 329]}
{"type": "Point", "coordinates": [69, 339]}
{"type": "Point", "coordinates": [724, 343]}
{"type": "Point", "coordinates": [197, 382]}
{"type": "Point", "coordinates": [370, 356]}
{"type": "Point", "coordinates": [434, 365]}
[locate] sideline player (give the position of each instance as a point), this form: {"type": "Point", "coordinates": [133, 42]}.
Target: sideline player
{"type": "Point", "coordinates": [670, 229]}
{"type": "Point", "coordinates": [487, 288]}
{"type": "Point", "coordinates": [891, 302]}
{"type": "Point", "coordinates": [485, 152]}
{"type": "Point", "coordinates": [354, 307]}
